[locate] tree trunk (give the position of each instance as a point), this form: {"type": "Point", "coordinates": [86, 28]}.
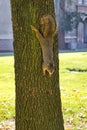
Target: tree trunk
{"type": "Point", "coordinates": [38, 102]}
{"type": "Point", "coordinates": [83, 1]}
{"type": "Point", "coordinates": [61, 35]}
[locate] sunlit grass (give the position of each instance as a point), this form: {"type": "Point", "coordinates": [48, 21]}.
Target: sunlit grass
{"type": "Point", "coordinates": [74, 88]}
{"type": "Point", "coordinates": [7, 89]}
{"type": "Point", "coordinates": [73, 84]}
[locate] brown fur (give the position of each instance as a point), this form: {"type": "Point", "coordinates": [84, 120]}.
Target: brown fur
{"type": "Point", "coordinates": [48, 30]}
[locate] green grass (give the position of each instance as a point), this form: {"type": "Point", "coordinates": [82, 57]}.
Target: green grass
{"type": "Point", "coordinates": [73, 84]}
{"type": "Point", "coordinates": [7, 89]}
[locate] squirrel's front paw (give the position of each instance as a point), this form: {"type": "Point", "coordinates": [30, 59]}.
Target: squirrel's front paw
{"type": "Point", "coordinates": [33, 28]}
{"type": "Point", "coordinates": [44, 71]}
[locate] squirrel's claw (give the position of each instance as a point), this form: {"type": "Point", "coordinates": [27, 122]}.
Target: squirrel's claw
{"type": "Point", "coordinates": [33, 28]}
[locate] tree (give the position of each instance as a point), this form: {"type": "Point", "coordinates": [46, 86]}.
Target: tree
{"type": "Point", "coordinates": [60, 14]}
{"type": "Point", "coordinates": [38, 102]}
{"type": "Point", "coordinates": [83, 1]}
{"type": "Point", "coordinates": [61, 23]}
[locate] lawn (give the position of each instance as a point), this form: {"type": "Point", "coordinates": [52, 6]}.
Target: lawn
{"type": "Point", "coordinates": [7, 89]}
{"type": "Point", "coordinates": [73, 84]}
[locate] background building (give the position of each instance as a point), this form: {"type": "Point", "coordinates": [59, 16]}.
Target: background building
{"type": "Point", "coordinates": [75, 39]}
{"type": "Point", "coordinates": [6, 35]}
{"type": "Point", "coordinates": [82, 29]}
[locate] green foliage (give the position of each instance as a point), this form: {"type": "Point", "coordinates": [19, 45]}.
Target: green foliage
{"type": "Point", "coordinates": [69, 18]}
{"type": "Point", "coordinates": [71, 21]}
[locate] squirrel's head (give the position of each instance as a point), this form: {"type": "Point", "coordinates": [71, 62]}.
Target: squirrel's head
{"type": "Point", "coordinates": [50, 69]}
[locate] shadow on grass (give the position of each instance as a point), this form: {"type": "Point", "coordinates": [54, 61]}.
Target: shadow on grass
{"type": "Point", "coordinates": [2, 54]}
{"type": "Point", "coordinates": [76, 70]}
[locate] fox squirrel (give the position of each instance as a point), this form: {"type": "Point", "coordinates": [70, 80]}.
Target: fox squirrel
{"type": "Point", "coordinates": [45, 37]}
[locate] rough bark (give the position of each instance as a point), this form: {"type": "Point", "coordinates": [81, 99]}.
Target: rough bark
{"type": "Point", "coordinates": [61, 34]}
{"type": "Point", "coordinates": [38, 102]}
